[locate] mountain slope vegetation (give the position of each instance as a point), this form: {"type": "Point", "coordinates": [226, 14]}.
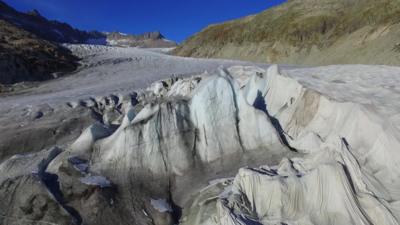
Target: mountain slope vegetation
{"type": "Point", "coordinates": [311, 32]}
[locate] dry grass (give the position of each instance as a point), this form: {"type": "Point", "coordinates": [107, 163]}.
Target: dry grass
{"type": "Point", "coordinates": [295, 24]}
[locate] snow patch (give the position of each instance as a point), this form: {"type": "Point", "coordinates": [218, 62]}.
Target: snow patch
{"type": "Point", "coordinates": [96, 181]}
{"type": "Point", "coordinates": [161, 205]}
{"type": "Point", "coordinates": [79, 164]}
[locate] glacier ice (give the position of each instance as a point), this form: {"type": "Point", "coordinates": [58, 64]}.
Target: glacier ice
{"type": "Point", "coordinates": [241, 146]}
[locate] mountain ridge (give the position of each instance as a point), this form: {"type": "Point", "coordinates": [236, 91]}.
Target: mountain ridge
{"type": "Point", "coordinates": [306, 32]}
{"type": "Point", "coordinates": [60, 32]}
{"type": "Point", "coordinates": [31, 51]}
{"type": "Point", "coordinates": [50, 30]}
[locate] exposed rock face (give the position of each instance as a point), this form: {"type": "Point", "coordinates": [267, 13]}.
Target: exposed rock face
{"type": "Point", "coordinates": [59, 32]}
{"type": "Point", "coordinates": [30, 50]}
{"type": "Point", "coordinates": [308, 159]}
{"type": "Point", "coordinates": [310, 32]}
{"type": "Point", "coordinates": [145, 40]}
{"type": "Point", "coordinates": [43, 28]}
{"type": "Point", "coordinates": [25, 57]}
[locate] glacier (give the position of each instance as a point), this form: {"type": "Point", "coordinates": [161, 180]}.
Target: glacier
{"type": "Point", "coordinates": [241, 144]}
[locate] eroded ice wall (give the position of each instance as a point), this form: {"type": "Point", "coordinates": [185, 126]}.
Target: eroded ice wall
{"type": "Point", "coordinates": [347, 173]}
{"type": "Point", "coordinates": [294, 156]}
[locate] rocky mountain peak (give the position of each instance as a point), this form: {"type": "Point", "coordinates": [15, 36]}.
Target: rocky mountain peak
{"type": "Point", "coordinates": [4, 6]}
{"type": "Point", "coordinates": [60, 32]}
{"type": "Point", "coordinates": [146, 40]}
{"type": "Point", "coordinates": [153, 35]}
{"type": "Point", "coordinates": [34, 12]}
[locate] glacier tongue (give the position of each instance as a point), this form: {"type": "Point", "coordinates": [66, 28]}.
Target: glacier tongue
{"type": "Point", "coordinates": [296, 155]}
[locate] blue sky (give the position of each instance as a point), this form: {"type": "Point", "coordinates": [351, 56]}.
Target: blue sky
{"type": "Point", "coordinates": [176, 19]}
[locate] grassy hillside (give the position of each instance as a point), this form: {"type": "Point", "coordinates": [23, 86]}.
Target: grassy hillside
{"type": "Point", "coordinates": [311, 32]}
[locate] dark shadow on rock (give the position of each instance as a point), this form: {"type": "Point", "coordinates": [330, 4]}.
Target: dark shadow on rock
{"type": "Point", "coordinates": [259, 103]}
{"type": "Point", "coordinates": [53, 186]}
{"type": "Point", "coordinates": [176, 212]}
{"type": "Point", "coordinates": [247, 221]}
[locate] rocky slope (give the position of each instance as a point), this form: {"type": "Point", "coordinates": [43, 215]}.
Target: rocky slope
{"type": "Point", "coordinates": [239, 145]}
{"type": "Point", "coordinates": [145, 40]}
{"type": "Point", "coordinates": [309, 32]}
{"type": "Point", "coordinates": [60, 32]}
{"type": "Point", "coordinates": [25, 57]}
{"type": "Point", "coordinates": [43, 28]}
{"type": "Point", "coordinates": [30, 50]}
